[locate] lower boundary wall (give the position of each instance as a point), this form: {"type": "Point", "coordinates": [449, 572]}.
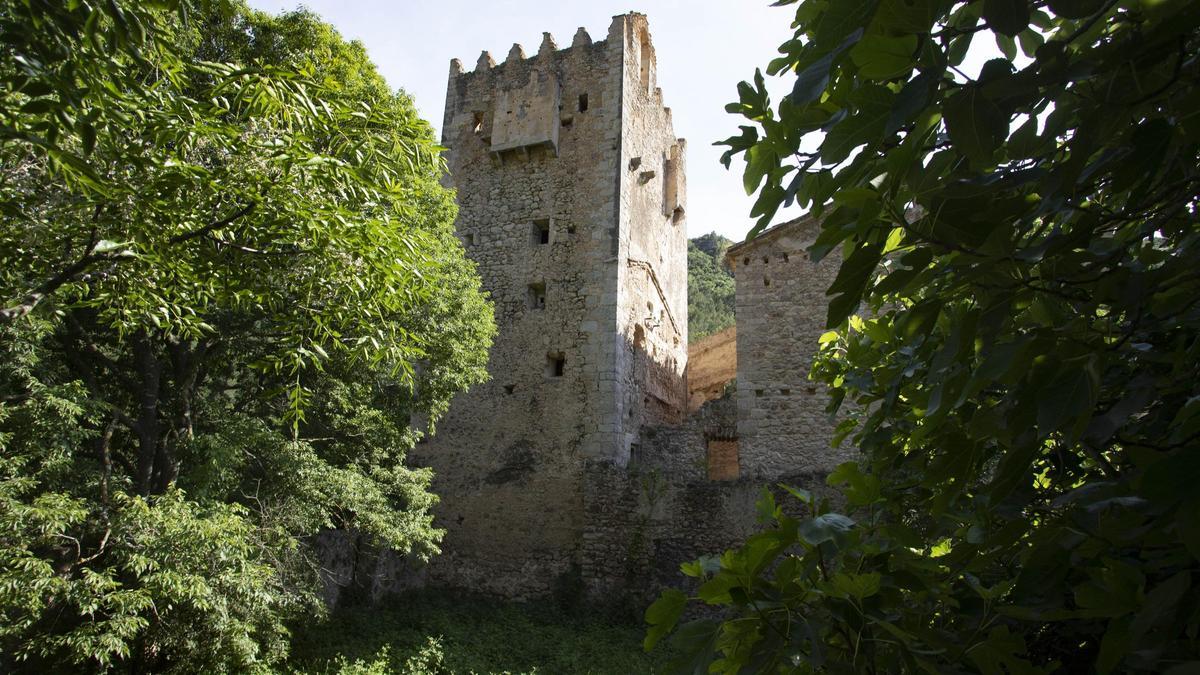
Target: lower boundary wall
{"type": "Point", "coordinates": [641, 522]}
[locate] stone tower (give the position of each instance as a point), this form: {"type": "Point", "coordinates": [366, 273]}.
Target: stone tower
{"type": "Point", "coordinates": [571, 193]}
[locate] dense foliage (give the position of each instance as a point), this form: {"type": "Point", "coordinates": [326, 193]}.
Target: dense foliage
{"type": "Point", "coordinates": [440, 633]}
{"type": "Point", "coordinates": [710, 286]}
{"type": "Point", "coordinates": [1015, 333]}
{"type": "Point", "coordinates": [228, 280]}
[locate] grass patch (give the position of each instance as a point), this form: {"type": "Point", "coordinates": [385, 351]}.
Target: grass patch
{"type": "Point", "coordinates": [438, 633]}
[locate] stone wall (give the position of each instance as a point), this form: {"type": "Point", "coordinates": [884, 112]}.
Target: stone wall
{"type": "Point", "coordinates": [712, 365]}
{"type": "Point", "coordinates": [585, 260]}
{"type": "Point", "coordinates": [652, 255]}
{"type": "Point", "coordinates": [663, 509]}
{"type": "Point", "coordinates": [780, 308]}
{"type": "Point", "coordinates": [667, 507]}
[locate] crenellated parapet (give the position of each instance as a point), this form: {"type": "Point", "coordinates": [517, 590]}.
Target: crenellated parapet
{"type": "Point", "coordinates": [527, 101]}
{"type": "Point", "coordinates": [548, 50]}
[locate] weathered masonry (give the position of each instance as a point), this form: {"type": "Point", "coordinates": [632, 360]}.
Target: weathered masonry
{"type": "Point", "coordinates": [572, 199]}
{"type": "Point", "coordinates": [780, 305]}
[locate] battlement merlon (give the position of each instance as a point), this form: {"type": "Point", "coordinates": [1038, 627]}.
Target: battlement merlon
{"type": "Point", "coordinates": [632, 26]}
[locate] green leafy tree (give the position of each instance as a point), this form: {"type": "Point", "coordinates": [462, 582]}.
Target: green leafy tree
{"type": "Point", "coordinates": [1013, 341]}
{"type": "Point", "coordinates": [228, 280]}
{"type": "Point", "coordinates": [710, 287]}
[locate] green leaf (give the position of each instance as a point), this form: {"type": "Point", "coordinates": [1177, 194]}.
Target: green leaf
{"type": "Point", "coordinates": [1075, 9]}
{"type": "Point", "coordinates": [857, 586]}
{"type": "Point", "coordinates": [882, 58]}
{"type": "Point", "coordinates": [662, 615]}
{"type": "Point", "coordinates": [862, 489]}
{"type": "Point", "coordinates": [87, 134]}
{"type": "Point", "coordinates": [801, 494]}
{"type": "Point", "coordinates": [1007, 17]}
{"type": "Point", "coordinates": [912, 99]}
{"type": "Point", "coordinates": [813, 78]}
{"type": "Point", "coordinates": [852, 280]}
{"type": "Point", "coordinates": [1114, 646]}
{"type": "Point", "coordinates": [825, 527]}
{"type": "Point", "coordinates": [976, 125]}
{"type": "Point", "coordinates": [908, 16]}
{"type": "Point", "coordinates": [1066, 402]}
{"type": "Point", "coordinates": [695, 642]}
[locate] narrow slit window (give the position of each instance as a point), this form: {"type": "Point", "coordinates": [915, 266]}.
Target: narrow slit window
{"type": "Point", "coordinates": [583, 102]}
{"type": "Point", "coordinates": [539, 233]}
{"type": "Point", "coordinates": [477, 123]}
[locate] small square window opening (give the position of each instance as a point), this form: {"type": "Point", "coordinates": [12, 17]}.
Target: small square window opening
{"type": "Point", "coordinates": [539, 233]}
{"type": "Point", "coordinates": [537, 296]}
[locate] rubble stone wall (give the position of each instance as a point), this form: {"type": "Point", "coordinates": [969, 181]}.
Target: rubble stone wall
{"type": "Point", "coordinates": [586, 266]}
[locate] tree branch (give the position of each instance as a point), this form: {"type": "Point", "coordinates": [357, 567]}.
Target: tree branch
{"type": "Point", "coordinates": [90, 258]}
{"type": "Point", "coordinates": [228, 220]}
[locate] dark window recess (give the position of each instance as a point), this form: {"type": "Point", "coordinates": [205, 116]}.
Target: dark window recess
{"type": "Point", "coordinates": [469, 239]}
{"type": "Point", "coordinates": [539, 233]}
{"type": "Point", "coordinates": [745, 262]}
{"type": "Point", "coordinates": [537, 296]}
{"type": "Point", "coordinates": [510, 388]}
{"type": "Point", "coordinates": [758, 392]}
{"type": "Point", "coordinates": [786, 392]}
{"type": "Point", "coordinates": [637, 456]}
{"type": "Point", "coordinates": [477, 124]}
{"type": "Point", "coordinates": [766, 260]}
{"type": "Point", "coordinates": [766, 281]}
{"type": "Point", "coordinates": [583, 103]}
{"type": "Point", "coordinates": [556, 365]}
{"type": "Point", "coordinates": [785, 257]}
{"type": "Point", "coordinates": [570, 229]}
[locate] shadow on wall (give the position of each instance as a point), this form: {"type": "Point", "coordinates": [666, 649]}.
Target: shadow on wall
{"type": "Point", "coordinates": [712, 366]}
{"type": "Point", "coordinates": [681, 494]}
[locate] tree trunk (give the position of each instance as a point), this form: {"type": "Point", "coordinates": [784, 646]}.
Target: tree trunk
{"type": "Point", "coordinates": [149, 371]}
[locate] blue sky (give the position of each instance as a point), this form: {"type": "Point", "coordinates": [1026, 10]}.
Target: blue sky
{"type": "Point", "coordinates": [704, 47]}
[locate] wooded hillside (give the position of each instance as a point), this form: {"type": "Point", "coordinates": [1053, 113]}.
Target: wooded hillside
{"type": "Point", "coordinates": [710, 286]}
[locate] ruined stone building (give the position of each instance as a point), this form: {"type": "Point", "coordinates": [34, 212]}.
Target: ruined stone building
{"type": "Point", "coordinates": [587, 461]}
